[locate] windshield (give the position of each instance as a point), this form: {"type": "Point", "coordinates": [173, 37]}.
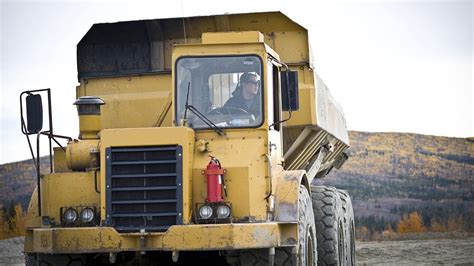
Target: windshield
{"type": "Point", "coordinates": [226, 90]}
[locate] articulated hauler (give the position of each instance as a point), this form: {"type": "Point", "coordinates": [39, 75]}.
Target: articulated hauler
{"type": "Point", "coordinates": [200, 138]}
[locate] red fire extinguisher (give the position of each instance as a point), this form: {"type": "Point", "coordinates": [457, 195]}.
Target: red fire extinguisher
{"type": "Point", "coordinates": [215, 180]}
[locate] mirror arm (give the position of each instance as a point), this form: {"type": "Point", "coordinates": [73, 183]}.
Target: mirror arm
{"type": "Point", "coordinates": [53, 137]}
{"type": "Point", "coordinates": [49, 133]}
{"type": "Point", "coordinates": [38, 173]}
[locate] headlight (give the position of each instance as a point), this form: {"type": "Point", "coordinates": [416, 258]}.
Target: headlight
{"type": "Point", "coordinates": [205, 212]}
{"type": "Point", "coordinates": [70, 215]}
{"type": "Point", "coordinates": [223, 211]}
{"type": "Point", "coordinates": [87, 215]}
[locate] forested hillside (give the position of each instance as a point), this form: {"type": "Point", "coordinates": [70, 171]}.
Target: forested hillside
{"type": "Point", "coordinates": [393, 174]}
{"type": "Point", "coordinates": [389, 176]}
{"type": "Point", "coordinates": [18, 180]}
{"type": "Point", "coordinates": [408, 165]}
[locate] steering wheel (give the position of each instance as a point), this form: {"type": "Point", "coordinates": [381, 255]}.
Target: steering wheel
{"type": "Point", "coordinates": [228, 111]}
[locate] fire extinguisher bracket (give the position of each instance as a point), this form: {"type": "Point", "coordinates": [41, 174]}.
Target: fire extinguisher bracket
{"type": "Point", "coordinates": [214, 172]}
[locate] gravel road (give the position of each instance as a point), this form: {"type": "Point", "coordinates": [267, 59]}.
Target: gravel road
{"type": "Point", "coordinates": [407, 252]}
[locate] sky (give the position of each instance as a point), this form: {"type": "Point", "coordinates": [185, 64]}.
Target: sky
{"type": "Point", "coordinates": [394, 66]}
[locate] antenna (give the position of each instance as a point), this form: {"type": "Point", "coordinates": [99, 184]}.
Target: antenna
{"type": "Point", "coordinates": [184, 23]}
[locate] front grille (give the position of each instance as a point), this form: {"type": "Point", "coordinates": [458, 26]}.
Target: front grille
{"type": "Point", "coordinates": [144, 187]}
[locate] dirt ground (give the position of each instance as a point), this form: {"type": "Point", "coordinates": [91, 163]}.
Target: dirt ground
{"type": "Point", "coordinates": [408, 252]}
{"type": "Point", "coordinates": [11, 251]}
{"type": "Point", "coordinates": [416, 252]}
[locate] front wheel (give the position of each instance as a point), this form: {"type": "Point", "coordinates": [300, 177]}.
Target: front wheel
{"type": "Point", "coordinates": [306, 252]}
{"type": "Point", "coordinates": [32, 259]}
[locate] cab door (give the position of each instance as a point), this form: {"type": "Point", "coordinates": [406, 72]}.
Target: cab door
{"type": "Point", "coordinates": [274, 114]}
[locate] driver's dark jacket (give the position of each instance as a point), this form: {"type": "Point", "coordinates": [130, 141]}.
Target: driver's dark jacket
{"type": "Point", "coordinates": [251, 106]}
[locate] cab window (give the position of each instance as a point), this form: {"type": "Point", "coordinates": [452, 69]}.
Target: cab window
{"type": "Point", "coordinates": [227, 91]}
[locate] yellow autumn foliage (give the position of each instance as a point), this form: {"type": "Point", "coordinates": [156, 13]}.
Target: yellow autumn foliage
{"type": "Point", "coordinates": [412, 223]}
{"type": "Point", "coordinates": [13, 226]}
{"type": "Point", "coordinates": [437, 226]}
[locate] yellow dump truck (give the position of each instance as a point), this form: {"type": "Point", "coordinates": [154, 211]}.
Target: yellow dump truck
{"type": "Point", "coordinates": [199, 141]}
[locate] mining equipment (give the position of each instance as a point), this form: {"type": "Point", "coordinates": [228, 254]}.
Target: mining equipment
{"type": "Point", "coordinates": [166, 171]}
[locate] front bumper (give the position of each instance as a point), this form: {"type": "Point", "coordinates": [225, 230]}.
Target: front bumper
{"type": "Point", "coordinates": [177, 238]}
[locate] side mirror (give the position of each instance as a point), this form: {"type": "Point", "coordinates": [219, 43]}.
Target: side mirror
{"type": "Point", "coordinates": [289, 90]}
{"type": "Point", "coordinates": [34, 113]}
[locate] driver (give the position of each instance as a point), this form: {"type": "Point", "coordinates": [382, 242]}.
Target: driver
{"type": "Point", "coordinates": [246, 95]}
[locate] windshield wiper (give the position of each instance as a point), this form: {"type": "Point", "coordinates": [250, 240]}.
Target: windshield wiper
{"type": "Point", "coordinates": [206, 120]}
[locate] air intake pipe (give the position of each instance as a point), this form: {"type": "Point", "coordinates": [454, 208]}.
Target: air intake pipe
{"type": "Point", "coordinates": [88, 108]}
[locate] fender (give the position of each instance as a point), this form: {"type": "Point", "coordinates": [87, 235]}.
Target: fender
{"type": "Point", "coordinates": [32, 218]}
{"type": "Point", "coordinates": [286, 194]}
{"type": "Point", "coordinates": [32, 221]}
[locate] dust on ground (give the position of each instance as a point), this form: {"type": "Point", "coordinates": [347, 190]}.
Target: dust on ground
{"type": "Point", "coordinates": [416, 252]}
{"type": "Point", "coordinates": [11, 251]}
{"type": "Point", "coordinates": [409, 252]}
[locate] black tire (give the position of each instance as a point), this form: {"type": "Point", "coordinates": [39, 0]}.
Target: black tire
{"type": "Point", "coordinates": [259, 257]}
{"type": "Point", "coordinates": [349, 227]}
{"type": "Point", "coordinates": [329, 218]}
{"type": "Point", "coordinates": [32, 259]}
{"type": "Point", "coordinates": [307, 252]}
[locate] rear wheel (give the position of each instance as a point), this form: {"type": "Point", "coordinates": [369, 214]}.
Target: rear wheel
{"type": "Point", "coordinates": [349, 226]}
{"type": "Point", "coordinates": [306, 254]}
{"type": "Point", "coordinates": [329, 218]}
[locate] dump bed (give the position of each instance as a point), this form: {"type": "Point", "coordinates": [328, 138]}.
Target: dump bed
{"type": "Point", "coordinates": [142, 51]}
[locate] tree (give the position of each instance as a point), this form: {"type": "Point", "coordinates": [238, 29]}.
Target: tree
{"type": "Point", "coordinates": [412, 223]}
{"type": "Point", "coordinates": [437, 226]}
{"type": "Point", "coordinates": [12, 221]}
{"type": "Point", "coordinates": [3, 225]}
{"type": "Point", "coordinates": [362, 233]}
{"type": "Point", "coordinates": [455, 223]}
{"type": "Point", "coordinates": [390, 229]}
{"type": "Point", "coordinates": [19, 221]}
{"type": "Point", "coordinates": [389, 232]}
